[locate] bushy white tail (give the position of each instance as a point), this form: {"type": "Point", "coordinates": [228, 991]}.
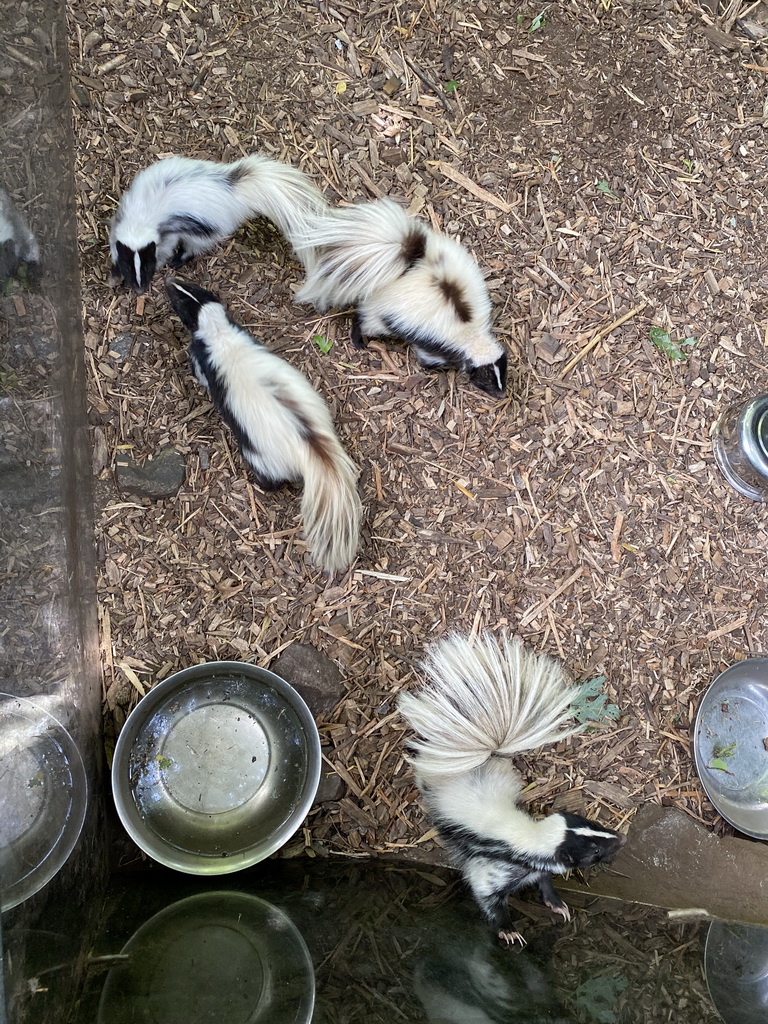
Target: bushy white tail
{"type": "Point", "coordinates": [284, 194]}
{"type": "Point", "coordinates": [490, 697]}
{"type": "Point", "coordinates": [358, 249]}
{"type": "Point", "coordinates": [330, 506]}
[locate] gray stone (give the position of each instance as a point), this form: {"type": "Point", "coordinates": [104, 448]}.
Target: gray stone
{"type": "Point", "coordinates": [315, 676]}
{"type": "Point", "coordinates": [159, 477]}
{"type": "Point", "coordinates": [121, 345]}
{"type": "Point", "coordinates": [331, 787]}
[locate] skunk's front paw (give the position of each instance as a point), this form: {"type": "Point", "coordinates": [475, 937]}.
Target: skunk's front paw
{"type": "Point", "coordinates": [510, 938]}
{"type": "Point", "coordinates": [559, 908]}
{"type": "Point", "coordinates": [180, 257]}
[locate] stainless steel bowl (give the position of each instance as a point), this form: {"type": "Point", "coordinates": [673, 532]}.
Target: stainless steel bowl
{"type": "Point", "coordinates": [736, 967]}
{"type": "Point", "coordinates": [740, 446]}
{"type": "Point", "coordinates": [730, 744]}
{"type": "Point", "coordinates": [225, 957]}
{"type": "Point", "coordinates": [43, 798]}
{"type": "Point", "coordinates": [216, 767]}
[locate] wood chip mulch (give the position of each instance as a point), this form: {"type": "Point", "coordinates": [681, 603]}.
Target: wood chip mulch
{"type": "Point", "coordinates": [608, 171]}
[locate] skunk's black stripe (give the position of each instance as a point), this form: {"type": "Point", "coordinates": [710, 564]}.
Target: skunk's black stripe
{"type": "Point", "coordinates": [236, 175]}
{"type": "Point", "coordinates": [455, 296]}
{"type": "Point", "coordinates": [414, 247]}
{"type": "Point", "coordinates": [187, 224]}
{"type": "Point", "coordinates": [452, 354]}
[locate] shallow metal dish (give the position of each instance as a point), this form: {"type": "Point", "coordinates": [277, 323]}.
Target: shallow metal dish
{"type": "Point", "coordinates": [43, 798]}
{"type": "Point", "coordinates": [732, 729]}
{"type": "Point", "coordinates": [219, 956]}
{"type": "Point", "coordinates": [216, 767]}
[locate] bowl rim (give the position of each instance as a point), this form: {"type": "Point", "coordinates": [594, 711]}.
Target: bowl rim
{"type": "Point", "coordinates": [19, 889]}
{"type": "Point", "coordinates": [149, 929]}
{"type": "Point", "coordinates": [159, 849]}
{"type": "Point", "coordinates": [699, 760]}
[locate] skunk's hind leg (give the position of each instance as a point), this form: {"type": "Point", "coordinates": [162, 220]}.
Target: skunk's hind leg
{"type": "Point", "coordinates": [356, 332]}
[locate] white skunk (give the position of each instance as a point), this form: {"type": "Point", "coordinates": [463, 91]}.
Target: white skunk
{"type": "Point", "coordinates": [482, 705]}
{"type": "Point", "coordinates": [407, 281]}
{"type": "Point", "coordinates": [178, 207]}
{"type": "Point", "coordinates": [282, 425]}
{"type": "Point", "coordinates": [17, 243]}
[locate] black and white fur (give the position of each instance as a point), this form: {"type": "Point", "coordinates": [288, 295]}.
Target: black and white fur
{"type": "Point", "coordinates": [481, 705]}
{"type": "Point", "coordinates": [282, 425]}
{"type": "Point", "coordinates": [179, 207]}
{"type": "Point", "coordinates": [17, 243]}
{"type": "Point", "coordinates": [407, 281]}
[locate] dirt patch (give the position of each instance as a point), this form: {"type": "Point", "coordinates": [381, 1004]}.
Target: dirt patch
{"type": "Point", "coordinates": [624, 156]}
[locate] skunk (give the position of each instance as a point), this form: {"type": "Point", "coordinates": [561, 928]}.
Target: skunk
{"type": "Point", "coordinates": [282, 425]}
{"type": "Point", "coordinates": [482, 705]}
{"type": "Point", "coordinates": [461, 979]}
{"type": "Point", "coordinates": [18, 246]}
{"type": "Point", "coordinates": [406, 281]}
{"type": "Point", "coordinates": [178, 207]}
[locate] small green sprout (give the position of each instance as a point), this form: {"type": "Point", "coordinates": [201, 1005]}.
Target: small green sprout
{"type": "Point", "coordinates": [322, 343]}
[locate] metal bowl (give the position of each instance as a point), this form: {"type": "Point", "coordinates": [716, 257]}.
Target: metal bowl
{"type": "Point", "coordinates": [216, 767]}
{"type": "Point", "coordinates": [740, 446]}
{"type": "Point", "coordinates": [44, 798]}
{"type": "Point", "coordinates": [736, 968]}
{"type": "Point", "coordinates": [730, 744]}
{"type": "Point", "coordinates": [220, 956]}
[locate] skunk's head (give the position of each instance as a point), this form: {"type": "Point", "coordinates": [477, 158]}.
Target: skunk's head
{"type": "Point", "coordinates": [188, 300]}
{"type": "Point", "coordinates": [134, 267]}
{"type": "Point", "coordinates": [586, 843]}
{"type": "Point", "coordinates": [491, 377]}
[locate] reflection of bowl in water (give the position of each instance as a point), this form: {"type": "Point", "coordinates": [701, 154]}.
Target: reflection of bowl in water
{"type": "Point", "coordinates": [216, 767]}
{"type": "Point", "coordinates": [44, 798]}
{"type": "Point", "coordinates": [736, 967]}
{"type": "Point", "coordinates": [730, 744]}
{"type": "Point", "coordinates": [219, 958]}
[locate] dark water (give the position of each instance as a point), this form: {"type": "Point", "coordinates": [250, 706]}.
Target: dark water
{"type": "Point", "coordinates": [386, 944]}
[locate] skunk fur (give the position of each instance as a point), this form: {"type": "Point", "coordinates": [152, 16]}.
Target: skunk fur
{"type": "Point", "coordinates": [282, 425]}
{"type": "Point", "coordinates": [407, 281]}
{"type": "Point", "coordinates": [17, 243]}
{"type": "Point", "coordinates": [481, 706]}
{"type": "Point", "coordinates": [178, 207]}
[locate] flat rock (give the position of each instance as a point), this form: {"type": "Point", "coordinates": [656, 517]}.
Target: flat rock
{"type": "Point", "coordinates": [671, 861]}
{"type": "Point", "coordinates": [159, 477]}
{"type": "Point", "coordinates": [315, 676]}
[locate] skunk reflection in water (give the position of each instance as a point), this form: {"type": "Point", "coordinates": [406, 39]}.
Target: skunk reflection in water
{"type": "Point", "coordinates": [461, 981]}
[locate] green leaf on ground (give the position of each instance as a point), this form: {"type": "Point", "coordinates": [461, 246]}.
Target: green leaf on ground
{"type": "Point", "coordinates": [591, 703]}
{"type": "Point", "coordinates": [664, 343]}
{"type": "Point", "coordinates": [603, 186]}
{"type": "Point", "coordinates": [322, 343]}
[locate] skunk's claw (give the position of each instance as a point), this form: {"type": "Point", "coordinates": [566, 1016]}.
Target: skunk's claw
{"type": "Point", "coordinates": [560, 909]}
{"type": "Point", "coordinates": [510, 938]}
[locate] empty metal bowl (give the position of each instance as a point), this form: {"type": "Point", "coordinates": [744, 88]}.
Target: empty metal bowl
{"type": "Point", "coordinates": [730, 744]}
{"type": "Point", "coordinates": [216, 767]}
